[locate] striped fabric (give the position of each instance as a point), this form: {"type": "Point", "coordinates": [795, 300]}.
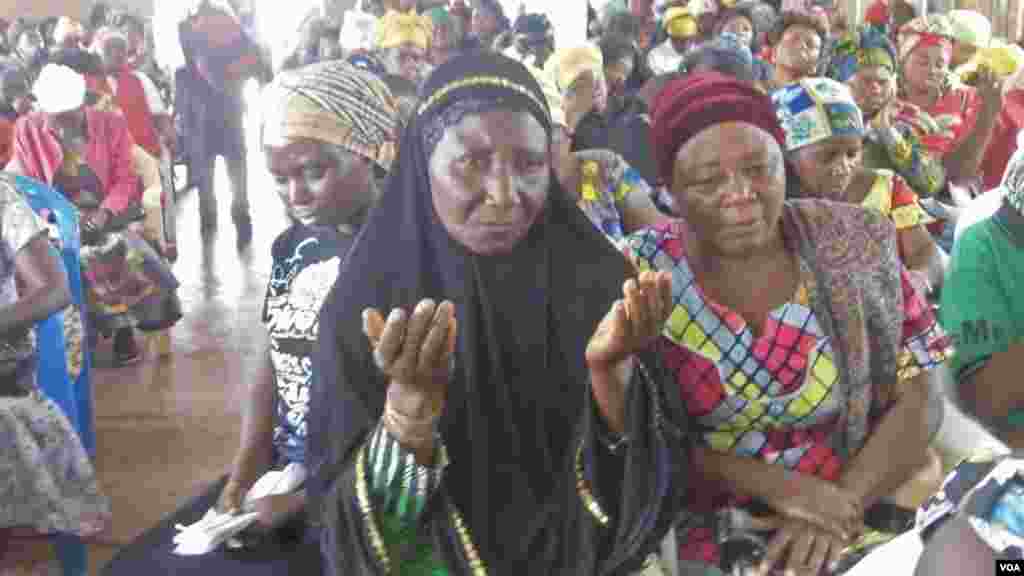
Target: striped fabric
{"type": "Point", "coordinates": [333, 102]}
{"type": "Point", "coordinates": [401, 488]}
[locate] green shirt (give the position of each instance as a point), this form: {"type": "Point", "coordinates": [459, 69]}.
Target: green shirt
{"type": "Point", "coordinates": [981, 309]}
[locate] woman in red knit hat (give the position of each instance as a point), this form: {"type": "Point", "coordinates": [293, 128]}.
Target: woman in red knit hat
{"type": "Point", "coordinates": [797, 341]}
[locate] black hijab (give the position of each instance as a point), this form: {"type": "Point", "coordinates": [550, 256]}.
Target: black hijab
{"type": "Point", "coordinates": [519, 401]}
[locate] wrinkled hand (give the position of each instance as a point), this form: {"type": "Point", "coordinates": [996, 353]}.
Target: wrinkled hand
{"type": "Point", "coordinates": [821, 503]}
{"type": "Point", "coordinates": [634, 323]}
{"type": "Point", "coordinates": [415, 352]}
{"type": "Point", "coordinates": [804, 549]}
{"type": "Point", "coordinates": [231, 497]}
{"type": "Point", "coordinates": [990, 88]}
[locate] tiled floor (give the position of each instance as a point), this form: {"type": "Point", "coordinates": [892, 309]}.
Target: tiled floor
{"type": "Point", "coordinates": [166, 427]}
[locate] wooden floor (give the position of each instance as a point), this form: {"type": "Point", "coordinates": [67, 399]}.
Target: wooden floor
{"type": "Point", "coordinates": [166, 427]}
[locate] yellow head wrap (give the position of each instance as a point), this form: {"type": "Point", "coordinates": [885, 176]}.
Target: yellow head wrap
{"type": "Point", "coordinates": [1002, 58]}
{"type": "Point", "coordinates": [397, 29]}
{"type": "Point", "coordinates": [566, 65]}
{"type": "Point", "coordinates": [680, 23]}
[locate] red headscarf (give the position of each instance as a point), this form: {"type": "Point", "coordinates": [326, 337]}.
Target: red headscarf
{"type": "Point", "coordinates": [688, 105]}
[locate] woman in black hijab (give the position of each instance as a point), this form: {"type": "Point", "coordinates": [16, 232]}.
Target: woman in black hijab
{"type": "Point", "coordinates": [521, 451]}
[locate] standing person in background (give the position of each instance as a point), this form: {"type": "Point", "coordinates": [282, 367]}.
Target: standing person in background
{"type": "Point", "coordinates": [209, 108]}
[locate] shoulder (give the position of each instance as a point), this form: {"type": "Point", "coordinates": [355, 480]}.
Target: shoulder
{"type": "Point", "coordinates": [822, 215]}
{"type": "Point", "coordinates": [842, 235]}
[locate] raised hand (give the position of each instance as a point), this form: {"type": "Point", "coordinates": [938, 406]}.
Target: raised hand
{"type": "Point", "coordinates": [415, 352]}
{"type": "Point", "coordinates": [633, 323]}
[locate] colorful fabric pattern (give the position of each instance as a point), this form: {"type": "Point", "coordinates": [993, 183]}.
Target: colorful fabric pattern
{"type": "Point", "coordinates": [396, 29]}
{"type": "Point", "coordinates": [816, 109]}
{"type": "Point", "coordinates": [930, 29]}
{"type": "Point", "coordinates": [956, 113]}
{"type": "Point", "coordinates": [900, 148]}
{"type": "Point", "coordinates": [779, 396]}
{"type": "Point", "coordinates": [605, 184]}
{"type": "Point", "coordinates": [891, 196]}
{"type": "Point", "coordinates": [866, 46]}
{"type": "Point", "coordinates": [47, 482]}
{"type": "Point", "coordinates": [989, 490]}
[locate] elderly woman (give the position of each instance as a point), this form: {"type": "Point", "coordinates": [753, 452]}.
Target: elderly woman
{"type": "Point", "coordinates": [49, 483]}
{"type": "Point", "coordinates": [683, 32]}
{"type": "Point", "coordinates": [87, 154]}
{"type": "Point", "coordinates": [328, 129]}
{"type": "Point", "coordinates": [824, 135]}
{"type": "Point", "coordinates": [966, 116]}
{"type": "Point", "coordinates": [865, 60]}
{"type": "Point", "coordinates": [403, 45]}
{"type": "Point", "coordinates": [797, 339]}
{"type": "Point", "coordinates": [511, 476]}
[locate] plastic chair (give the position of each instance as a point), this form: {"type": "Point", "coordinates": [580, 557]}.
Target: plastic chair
{"type": "Point", "coordinates": [74, 396]}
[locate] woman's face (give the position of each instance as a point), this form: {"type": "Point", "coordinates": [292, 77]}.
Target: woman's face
{"type": "Point", "coordinates": [731, 181]}
{"type": "Point", "coordinates": [489, 179]}
{"type": "Point", "coordinates": [741, 27]}
{"type": "Point", "coordinates": [826, 168]}
{"type": "Point", "coordinates": [926, 67]}
{"type": "Point", "coordinates": [408, 61]}
{"type": "Point", "coordinates": [617, 73]}
{"type": "Point", "coordinates": [873, 87]}
{"type": "Point", "coordinates": [320, 184]}
{"type": "Point", "coordinates": [799, 49]}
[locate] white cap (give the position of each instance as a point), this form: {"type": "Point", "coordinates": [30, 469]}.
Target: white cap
{"type": "Point", "coordinates": [59, 89]}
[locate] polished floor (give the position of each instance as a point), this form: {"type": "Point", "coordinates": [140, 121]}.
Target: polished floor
{"type": "Point", "coordinates": [168, 426]}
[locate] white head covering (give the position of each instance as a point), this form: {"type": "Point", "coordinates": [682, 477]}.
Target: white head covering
{"type": "Point", "coordinates": [59, 89]}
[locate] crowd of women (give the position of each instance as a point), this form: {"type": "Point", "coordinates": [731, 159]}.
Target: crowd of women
{"type": "Point", "coordinates": [754, 241]}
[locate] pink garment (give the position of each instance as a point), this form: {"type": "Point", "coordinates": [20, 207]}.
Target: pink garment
{"type": "Point", "coordinates": [38, 154]}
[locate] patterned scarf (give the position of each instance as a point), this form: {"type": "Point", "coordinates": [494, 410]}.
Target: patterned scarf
{"type": "Point", "coordinates": [816, 109]}
{"type": "Point", "coordinates": [336, 103]}
{"type": "Point", "coordinates": [868, 46]}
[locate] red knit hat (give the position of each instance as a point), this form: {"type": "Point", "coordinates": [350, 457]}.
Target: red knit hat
{"type": "Point", "coordinates": [688, 105]}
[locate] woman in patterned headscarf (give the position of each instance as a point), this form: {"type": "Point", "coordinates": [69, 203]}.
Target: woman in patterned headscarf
{"type": "Point", "coordinates": [966, 116]}
{"type": "Point", "coordinates": [865, 60]}
{"type": "Point", "coordinates": [824, 146]}
{"type": "Point", "coordinates": [328, 133]}
{"type": "Point", "coordinates": [682, 27]}
{"type": "Point", "coordinates": [504, 448]}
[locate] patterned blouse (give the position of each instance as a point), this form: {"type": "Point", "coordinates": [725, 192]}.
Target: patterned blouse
{"type": "Point", "coordinates": [779, 396]}
{"type": "Point", "coordinates": [606, 181]}
{"type": "Point", "coordinates": [891, 196]}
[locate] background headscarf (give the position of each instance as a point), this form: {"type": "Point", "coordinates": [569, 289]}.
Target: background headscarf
{"type": "Point", "coordinates": [336, 103]}
{"type": "Point", "coordinates": [519, 389]}
{"type": "Point", "coordinates": [681, 23]}
{"type": "Point", "coordinates": [970, 27]}
{"type": "Point", "coordinates": [568, 64]}
{"type": "Point", "coordinates": [398, 28]}
{"type": "Point", "coordinates": [688, 105]}
{"type": "Point", "coordinates": [816, 109]}
{"type": "Point", "coordinates": [866, 46]}
{"type": "Point", "coordinates": [928, 30]}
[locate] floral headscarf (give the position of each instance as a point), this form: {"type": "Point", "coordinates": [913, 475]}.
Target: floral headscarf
{"type": "Point", "coordinates": [816, 109]}
{"type": "Point", "coordinates": [681, 23]}
{"type": "Point", "coordinates": [867, 46]}
{"type": "Point", "coordinates": [396, 29]}
{"type": "Point", "coordinates": [929, 30]}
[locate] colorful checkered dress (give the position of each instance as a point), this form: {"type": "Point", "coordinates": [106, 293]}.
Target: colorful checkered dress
{"type": "Point", "coordinates": [782, 396]}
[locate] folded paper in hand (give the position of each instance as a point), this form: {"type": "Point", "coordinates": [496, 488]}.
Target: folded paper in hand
{"type": "Point", "coordinates": [215, 527]}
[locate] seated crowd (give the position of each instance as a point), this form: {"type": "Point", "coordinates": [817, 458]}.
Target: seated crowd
{"type": "Point", "coordinates": [755, 241]}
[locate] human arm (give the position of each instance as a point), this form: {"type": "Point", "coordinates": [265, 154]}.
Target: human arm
{"type": "Point", "coordinates": [255, 451]}
{"type": "Point", "coordinates": [911, 159]}
{"type": "Point", "coordinates": [923, 259]}
{"type": "Point", "coordinates": [976, 309]}
{"type": "Point", "coordinates": [964, 161]}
